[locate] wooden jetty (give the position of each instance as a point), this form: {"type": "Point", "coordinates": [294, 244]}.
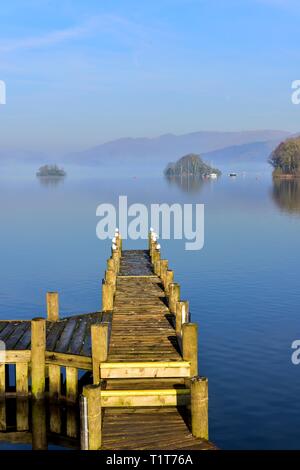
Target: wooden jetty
{"type": "Point", "coordinates": [131, 368]}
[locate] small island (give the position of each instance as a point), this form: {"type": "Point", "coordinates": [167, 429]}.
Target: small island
{"type": "Point", "coordinates": [52, 171]}
{"type": "Point", "coordinates": [191, 165]}
{"type": "Point", "coordinates": [285, 159]}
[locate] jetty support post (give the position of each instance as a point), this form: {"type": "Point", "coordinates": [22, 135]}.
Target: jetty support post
{"type": "Point", "coordinates": [163, 269]}
{"type": "Point", "coordinates": [190, 346]}
{"type": "Point", "coordinates": [199, 407]}
{"type": "Point", "coordinates": [94, 415]}
{"type": "Point", "coordinates": [169, 278]}
{"type": "Point", "coordinates": [107, 296]}
{"type": "Point", "coordinates": [52, 306]}
{"type": "Point", "coordinates": [182, 316]}
{"type": "Point", "coordinates": [100, 340]}
{"type": "Point", "coordinates": [111, 278]}
{"type": "Point", "coordinates": [174, 296]}
{"type": "Point", "coordinates": [38, 348]}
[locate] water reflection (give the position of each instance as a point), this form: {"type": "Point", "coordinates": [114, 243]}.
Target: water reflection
{"type": "Point", "coordinates": [286, 194]}
{"type": "Point", "coordinates": [51, 181]}
{"type": "Point", "coordinates": [190, 184]}
{"type": "Point", "coordinates": [38, 424]}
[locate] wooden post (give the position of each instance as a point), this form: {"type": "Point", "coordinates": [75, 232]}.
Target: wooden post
{"type": "Point", "coordinates": [55, 418]}
{"type": "Point", "coordinates": [22, 379]}
{"type": "Point", "coordinates": [182, 315]}
{"type": "Point", "coordinates": [2, 397]}
{"type": "Point", "coordinates": [99, 335]}
{"type": "Point", "coordinates": [174, 296]}
{"type": "Point", "coordinates": [110, 277]}
{"type": "Point", "coordinates": [2, 378]}
{"type": "Point", "coordinates": [38, 347]}
{"type": "Point", "coordinates": [54, 382]}
{"type": "Point", "coordinates": [111, 264]}
{"type": "Point", "coordinates": [199, 407]}
{"type": "Point", "coordinates": [38, 423]}
{"type": "Point", "coordinates": [169, 278]}
{"type": "Point", "coordinates": [52, 306]}
{"type": "Point", "coordinates": [190, 346]}
{"type": "Point", "coordinates": [71, 422]}
{"type": "Point", "coordinates": [156, 268]}
{"type": "Point", "coordinates": [94, 415]}
{"type": "Point", "coordinates": [22, 410]}
{"type": "Point", "coordinates": [71, 384]}
{"type": "Point", "coordinates": [116, 259]}
{"type": "Point", "coordinates": [163, 269]}
{"type": "Point", "coordinates": [107, 296]}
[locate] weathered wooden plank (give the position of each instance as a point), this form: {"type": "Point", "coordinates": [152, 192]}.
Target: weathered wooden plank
{"type": "Point", "coordinates": [144, 369]}
{"type": "Point", "coordinates": [54, 335]}
{"type": "Point", "coordinates": [66, 336]}
{"type": "Point", "coordinates": [24, 341]}
{"type": "Point", "coordinates": [135, 398]}
{"type": "Point", "coordinates": [69, 360]}
{"type": "Point", "coordinates": [17, 333]}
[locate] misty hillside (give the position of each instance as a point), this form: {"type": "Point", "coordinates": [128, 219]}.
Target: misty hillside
{"type": "Point", "coordinates": [160, 150]}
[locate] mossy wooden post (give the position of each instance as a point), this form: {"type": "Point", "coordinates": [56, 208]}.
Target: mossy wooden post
{"type": "Point", "coordinates": [156, 255]}
{"type": "Point", "coordinates": [182, 315]}
{"type": "Point", "coordinates": [38, 424]}
{"type": "Point", "coordinates": [22, 396]}
{"type": "Point", "coordinates": [55, 418]}
{"type": "Point", "coordinates": [38, 347]}
{"type": "Point", "coordinates": [107, 296]}
{"type": "Point", "coordinates": [163, 269]}
{"type": "Point", "coordinates": [2, 397]}
{"type": "Point", "coordinates": [156, 268]}
{"type": "Point", "coordinates": [52, 306]}
{"type": "Point", "coordinates": [54, 382]}
{"type": "Point", "coordinates": [190, 346]}
{"type": "Point", "coordinates": [110, 278]}
{"type": "Point", "coordinates": [71, 384]}
{"type": "Point", "coordinates": [199, 407]}
{"type": "Point", "coordinates": [116, 257]}
{"type": "Point", "coordinates": [99, 335]}
{"type": "Point", "coordinates": [174, 296]}
{"type": "Point", "coordinates": [94, 415]}
{"type": "Point", "coordinates": [169, 278]}
{"type": "Point", "coordinates": [111, 264]}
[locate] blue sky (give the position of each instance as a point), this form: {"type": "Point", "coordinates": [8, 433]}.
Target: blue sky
{"type": "Point", "coordinates": [82, 72]}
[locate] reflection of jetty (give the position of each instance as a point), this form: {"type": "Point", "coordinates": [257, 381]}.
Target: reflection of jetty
{"type": "Point", "coordinates": [134, 366]}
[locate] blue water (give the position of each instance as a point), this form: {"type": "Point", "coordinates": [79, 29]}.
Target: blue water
{"type": "Point", "coordinates": [243, 286]}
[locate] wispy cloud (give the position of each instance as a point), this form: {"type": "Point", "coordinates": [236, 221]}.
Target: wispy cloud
{"type": "Point", "coordinates": [123, 28]}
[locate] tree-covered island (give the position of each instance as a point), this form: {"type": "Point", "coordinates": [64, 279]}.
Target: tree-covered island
{"type": "Point", "coordinates": [190, 165]}
{"type": "Point", "coordinates": [285, 159]}
{"type": "Point", "coordinates": [51, 171]}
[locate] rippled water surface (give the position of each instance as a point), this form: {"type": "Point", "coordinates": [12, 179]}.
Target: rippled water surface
{"type": "Point", "coordinates": [243, 286]}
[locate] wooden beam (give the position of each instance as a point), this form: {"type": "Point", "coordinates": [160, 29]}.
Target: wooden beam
{"type": "Point", "coordinates": [140, 398]}
{"type": "Point", "coordinates": [132, 370]}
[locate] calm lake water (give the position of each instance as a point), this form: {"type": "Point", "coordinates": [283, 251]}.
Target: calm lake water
{"type": "Point", "coordinates": [243, 286]}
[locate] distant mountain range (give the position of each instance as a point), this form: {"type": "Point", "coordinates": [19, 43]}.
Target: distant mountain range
{"type": "Point", "coordinates": [221, 147]}
{"type": "Point", "coordinates": [150, 155]}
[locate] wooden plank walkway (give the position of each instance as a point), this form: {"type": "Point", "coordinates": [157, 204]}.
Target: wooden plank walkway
{"type": "Point", "coordinates": [143, 330]}
{"type": "Point", "coordinates": [70, 335]}
{"type": "Point", "coordinates": [140, 356]}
